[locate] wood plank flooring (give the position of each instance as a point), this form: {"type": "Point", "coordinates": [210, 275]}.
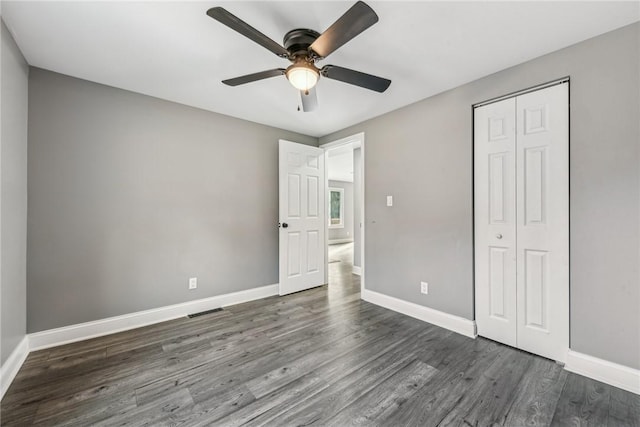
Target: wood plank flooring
{"type": "Point", "coordinates": [319, 357]}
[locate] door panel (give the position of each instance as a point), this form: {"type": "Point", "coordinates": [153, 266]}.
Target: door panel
{"type": "Point", "coordinates": [313, 197]}
{"type": "Point", "coordinates": [536, 287]}
{"type": "Point", "coordinates": [498, 272]}
{"type": "Point", "coordinates": [293, 257]}
{"type": "Point", "coordinates": [497, 169]}
{"type": "Point", "coordinates": [521, 158]}
{"type": "Point", "coordinates": [302, 210]}
{"type": "Point", "coordinates": [495, 221]}
{"type": "Point", "coordinates": [294, 195]}
{"type": "Point", "coordinates": [313, 244]}
{"type": "Point", "coordinates": [543, 221]}
{"type": "Point", "coordinates": [534, 185]}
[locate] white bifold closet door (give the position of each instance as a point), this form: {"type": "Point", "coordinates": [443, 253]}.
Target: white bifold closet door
{"type": "Point", "coordinates": [521, 179]}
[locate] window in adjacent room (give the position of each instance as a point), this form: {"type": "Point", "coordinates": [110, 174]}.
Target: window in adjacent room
{"type": "Point", "coordinates": [336, 207]}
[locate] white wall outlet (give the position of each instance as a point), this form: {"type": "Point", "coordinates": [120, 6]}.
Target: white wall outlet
{"type": "Point", "coordinates": [424, 287]}
{"type": "Point", "coordinates": [389, 200]}
{"type": "Point", "coordinates": [193, 283]}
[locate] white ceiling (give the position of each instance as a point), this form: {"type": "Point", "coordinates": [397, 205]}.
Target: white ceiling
{"type": "Point", "coordinates": [174, 51]}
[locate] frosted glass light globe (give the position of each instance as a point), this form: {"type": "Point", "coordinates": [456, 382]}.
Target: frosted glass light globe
{"type": "Point", "coordinates": [302, 76]}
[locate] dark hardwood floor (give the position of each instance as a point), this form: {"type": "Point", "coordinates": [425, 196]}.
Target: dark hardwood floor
{"type": "Point", "coordinates": [319, 357]}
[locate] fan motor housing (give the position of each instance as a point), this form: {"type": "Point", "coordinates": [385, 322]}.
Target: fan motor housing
{"type": "Point", "coordinates": [297, 41]}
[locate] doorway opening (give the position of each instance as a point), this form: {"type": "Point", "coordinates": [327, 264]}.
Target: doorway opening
{"type": "Point", "coordinates": [345, 215]}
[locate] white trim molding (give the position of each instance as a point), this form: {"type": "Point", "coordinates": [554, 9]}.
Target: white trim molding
{"type": "Point", "coordinates": [602, 370]}
{"type": "Point", "coordinates": [110, 325]}
{"type": "Point", "coordinates": [357, 270]}
{"type": "Point", "coordinates": [456, 324]}
{"type": "Point", "coordinates": [12, 365]}
{"type": "Point", "coordinates": [338, 241]}
{"type": "Point", "coordinates": [358, 141]}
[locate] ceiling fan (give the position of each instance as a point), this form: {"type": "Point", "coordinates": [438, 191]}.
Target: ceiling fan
{"type": "Point", "coordinates": [303, 47]}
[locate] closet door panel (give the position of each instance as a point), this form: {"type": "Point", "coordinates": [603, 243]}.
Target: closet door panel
{"type": "Point", "coordinates": [542, 166]}
{"type": "Point", "coordinates": [495, 221]}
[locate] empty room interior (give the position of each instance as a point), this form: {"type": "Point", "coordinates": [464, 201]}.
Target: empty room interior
{"type": "Point", "coordinates": [296, 213]}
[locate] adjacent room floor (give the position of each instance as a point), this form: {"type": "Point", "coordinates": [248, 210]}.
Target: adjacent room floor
{"type": "Point", "coordinates": [319, 357]}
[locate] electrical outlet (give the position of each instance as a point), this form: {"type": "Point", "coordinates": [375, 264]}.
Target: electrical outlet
{"type": "Point", "coordinates": [193, 283]}
{"type": "Point", "coordinates": [424, 287]}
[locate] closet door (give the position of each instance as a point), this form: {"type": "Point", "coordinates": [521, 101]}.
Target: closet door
{"type": "Point", "coordinates": [495, 220]}
{"type": "Point", "coordinates": [542, 171]}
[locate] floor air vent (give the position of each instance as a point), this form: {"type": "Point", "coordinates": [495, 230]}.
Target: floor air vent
{"type": "Point", "coordinates": [202, 313]}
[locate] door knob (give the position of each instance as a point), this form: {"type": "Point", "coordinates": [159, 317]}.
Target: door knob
{"type": "Point", "coordinates": [499, 236]}
{"type": "Point", "coordinates": [285, 225]}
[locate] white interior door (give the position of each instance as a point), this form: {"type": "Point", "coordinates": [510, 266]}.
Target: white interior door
{"type": "Point", "coordinates": [522, 221]}
{"type": "Point", "coordinates": [543, 221]}
{"type": "Point", "coordinates": [302, 217]}
{"type": "Point", "coordinates": [495, 220]}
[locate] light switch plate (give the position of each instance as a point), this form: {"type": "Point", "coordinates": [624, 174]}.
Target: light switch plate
{"type": "Point", "coordinates": [389, 200]}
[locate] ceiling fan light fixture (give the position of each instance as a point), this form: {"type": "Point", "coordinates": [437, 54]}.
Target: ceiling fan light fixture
{"type": "Point", "coordinates": [303, 47]}
{"type": "Point", "coordinates": [303, 75]}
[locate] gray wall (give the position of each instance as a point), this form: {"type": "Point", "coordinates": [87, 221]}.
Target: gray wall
{"type": "Point", "coordinates": [13, 178]}
{"type": "Point", "coordinates": [345, 232]}
{"type": "Point", "coordinates": [129, 196]}
{"type": "Point", "coordinates": [422, 155]}
{"type": "Point", "coordinates": [357, 210]}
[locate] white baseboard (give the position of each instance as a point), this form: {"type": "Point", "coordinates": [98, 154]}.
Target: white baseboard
{"type": "Point", "coordinates": [110, 325]}
{"type": "Point", "coordinates": [357, 270]}
{"type": "Point", "coordinates": [604, 371]}
{"type": "Point", "coordinates": [457, 324]}
{"type": "Point", "coordinates": [12, 365]}
{"type": "Point", "coordinates": [337, 241]}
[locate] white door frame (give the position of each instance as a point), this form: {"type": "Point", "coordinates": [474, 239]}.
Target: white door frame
{"type": "Point", "coordinates": [358, 140]}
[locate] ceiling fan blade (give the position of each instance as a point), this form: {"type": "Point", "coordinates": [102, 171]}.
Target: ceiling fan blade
{"type": "Point", "coordinates": [253, 77]}
{"type": "Point", "coordinates": [309, 100]}
{"type": "Point", "coordinates": [353, 22]}
{"type": "Point", "coordinates": [230, 20]}
{"type": "Point", "coordinates": [354, 77]}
